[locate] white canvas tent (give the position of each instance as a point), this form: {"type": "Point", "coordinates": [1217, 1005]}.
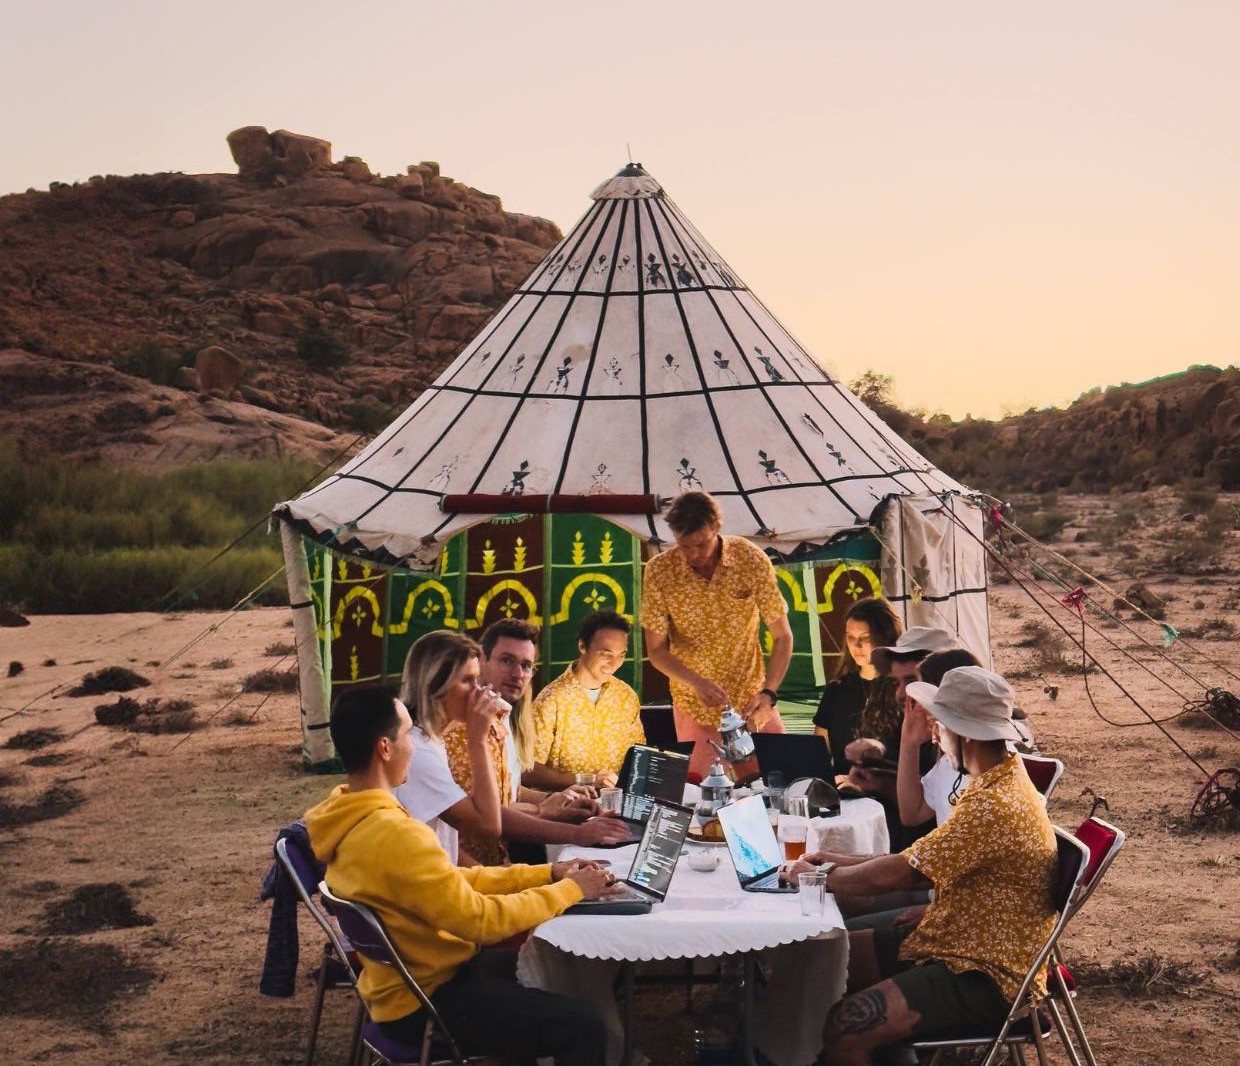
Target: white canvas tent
{"type": "Point", "coordinates": [634, 363]}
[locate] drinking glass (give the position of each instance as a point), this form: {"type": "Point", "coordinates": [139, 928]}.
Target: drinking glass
{"type": "Point", "coordinates": [797, 807]}
{"type": "Point", "coordinates": [611, 800]}
{"type": "Point", "coordinates": [812, 889]}
{"type": "Point", "coordinates": [793, 835]}
{"type": "Point", "coordinates": [586, 780]}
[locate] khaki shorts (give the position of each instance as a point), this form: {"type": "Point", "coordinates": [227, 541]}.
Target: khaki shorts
{"type": "Point", "coordinates": [945, 1000]}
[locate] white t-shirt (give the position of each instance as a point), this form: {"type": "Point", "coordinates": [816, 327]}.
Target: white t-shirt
{"type": "Point", "coordinates": [514, 765]}
{"type": "Point", "coordinates": [936, 785]}
{"type": "Point", "coordinates": [430, 790]}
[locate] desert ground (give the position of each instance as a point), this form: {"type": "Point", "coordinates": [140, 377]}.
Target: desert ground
{"type": "Point", "coordinates": [163, 965]}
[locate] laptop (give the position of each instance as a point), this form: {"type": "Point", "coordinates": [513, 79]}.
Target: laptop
{"type": "Point", "coordinates": [648, 774]}
{"type": "Point", "coordinates": [756, 853]}
{"type": "Point", "coordinates": [794, 755]}
{"type": "Point", "coordinates": [654, 862]}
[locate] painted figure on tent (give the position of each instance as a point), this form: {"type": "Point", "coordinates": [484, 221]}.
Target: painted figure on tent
{"type": "Point", "coordinates": [702, 601]}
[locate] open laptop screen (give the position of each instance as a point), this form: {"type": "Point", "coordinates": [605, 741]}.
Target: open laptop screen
{"type": "Point", "coordinates": [659, 850]}
{"type": "Point", "coordinates": [751, 840]}
{"type": "Point", "coordinates": [652, 774]}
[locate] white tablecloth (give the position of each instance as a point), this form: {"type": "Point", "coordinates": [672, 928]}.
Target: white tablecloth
{"type": "Point", "coordinates": [706, 915]}
{"type": "Point", "coordinates": [859, 829]}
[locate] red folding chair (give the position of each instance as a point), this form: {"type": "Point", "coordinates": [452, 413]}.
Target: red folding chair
{"type": "Point", "coordinates": [1043, 772]}
{"type": "Point", "coordinates": [1103, 842]}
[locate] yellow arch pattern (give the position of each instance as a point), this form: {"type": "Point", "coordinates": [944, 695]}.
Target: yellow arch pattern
{"type": "Point", "coordinates": [449, 620]}
{"type": "Point", "coordinates": [364, 593]}
{"type": "Point", "coordinates": [876, 587]}
{"type": "Point", "coordinates": [484, 601]}
{"type": "Point", "coordinates": [795, 589]}
{"type": "Point", "coordinates": [566, 598]}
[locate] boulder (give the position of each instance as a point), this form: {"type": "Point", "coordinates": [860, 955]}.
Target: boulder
{"type": "Point", "coordinates": [263, 157]}
{"type": "Point", "coordinates": [409, 221]}
{"type": "Point", "coordinates": [186, 377]}
{"type": "Point", "coordinates": [181, 219]}
{"type": "Point", "coordinates": [355, 169]}
{"type": "Point", "coordinates": [218, 370]}
{"type": "Point", "coordinates": [252, 152]}
{"type": "Point", "coordinates": [1140, 595]}
{"type": "Point", "coordinates": [297, 154]}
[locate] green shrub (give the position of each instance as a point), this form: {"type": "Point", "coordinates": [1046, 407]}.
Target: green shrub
{"type": "Point", "coordinates": [1045, 525]}
{"type": "Point", "coordinates": [367, 417]}
{"type": "Point", "coordinates": [319, 348]}
{"type": "Point", "coordinates": [136, 579]}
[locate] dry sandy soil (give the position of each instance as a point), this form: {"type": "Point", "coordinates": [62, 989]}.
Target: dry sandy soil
{"type": "Point", "coordinates": [184, 822]}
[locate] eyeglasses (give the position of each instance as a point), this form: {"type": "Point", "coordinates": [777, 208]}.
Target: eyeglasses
{"type": "Point", "coordinates": [524, 665]}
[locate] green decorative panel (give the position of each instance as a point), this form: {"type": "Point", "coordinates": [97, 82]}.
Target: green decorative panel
{"type": "Point", "coordinates": [554, 570]}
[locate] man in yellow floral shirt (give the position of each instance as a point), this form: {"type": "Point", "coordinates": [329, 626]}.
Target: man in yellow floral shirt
{"type": "Point", "coordinates": [587, 718]}
{"type": "Point", "coordinates": [991, 865]}
{"type": "Point", "coordinates": [701, 604]}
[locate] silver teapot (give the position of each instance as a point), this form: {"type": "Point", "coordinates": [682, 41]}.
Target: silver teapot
{"type": "Point", "coordinates": [716, 789]}
{"type": "Point", "coordinates": [737, 743]}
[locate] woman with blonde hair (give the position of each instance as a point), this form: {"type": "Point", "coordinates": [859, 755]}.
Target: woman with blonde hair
{"type": "Point", "coordinates": [440, 687]}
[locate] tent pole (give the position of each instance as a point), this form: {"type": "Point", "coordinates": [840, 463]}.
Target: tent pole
{"type": "Point", "coordinates": [316, 744]}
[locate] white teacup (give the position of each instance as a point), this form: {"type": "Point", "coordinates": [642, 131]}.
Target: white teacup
{"type": "Point", "coordinates": [704, 860]}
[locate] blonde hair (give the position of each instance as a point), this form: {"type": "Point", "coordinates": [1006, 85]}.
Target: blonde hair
{"type": "Point", "coordinates": [432, 663]}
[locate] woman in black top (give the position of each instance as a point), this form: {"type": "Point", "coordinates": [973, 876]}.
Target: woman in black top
{"type": "Point", "coordinates": [869, 623]}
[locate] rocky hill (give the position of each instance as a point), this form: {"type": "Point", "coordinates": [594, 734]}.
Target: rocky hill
{"type": "Point", "coordinates": [321, 292]}
{"type": "Point", "coordinates": [1180, 427]}
{"type": "Point", "coordinates": [290, 307]}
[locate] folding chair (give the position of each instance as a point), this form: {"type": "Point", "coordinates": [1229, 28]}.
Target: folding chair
{"type": "Point", "coordinates": [1043, 772]}
{"type": "Point", "coordinates": [1103, 841]}
{"type": "Point", "coordinates": [335, 969]}
{"type": "Point", "coordinates": [369, 939]}
{"type": "Point", "coordinates": [1024, 1024]}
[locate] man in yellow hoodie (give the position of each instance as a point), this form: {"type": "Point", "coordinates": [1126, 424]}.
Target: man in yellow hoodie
{"type": "Point", "coordinates": [438, 914]}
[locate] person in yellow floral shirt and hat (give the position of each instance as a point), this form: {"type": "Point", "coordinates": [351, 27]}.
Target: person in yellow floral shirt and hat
{"type": "Point", "coordinates": [701, 604]}
{"type": "Point", "coordinates": [587, 718]}
{"type": "Point", "coordinates": [991, 865]}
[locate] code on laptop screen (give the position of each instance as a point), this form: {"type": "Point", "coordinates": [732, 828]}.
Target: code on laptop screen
{"type": "Point", "coordinates": [654, 774]}
{"type": "Point", "coordinates": [656, 857]}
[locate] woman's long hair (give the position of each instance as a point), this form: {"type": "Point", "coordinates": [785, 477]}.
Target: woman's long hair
{"type": "Point", "coordinates": [431, 664]}
{"type": "Point", "coordinates": [885, 629]}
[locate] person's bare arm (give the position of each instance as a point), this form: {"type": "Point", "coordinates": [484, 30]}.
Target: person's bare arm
{"type": "Point", "coordinates": [666, 663]}
{"type": "Point", "coordinates": [776, 666]}
{"type": "Point", "coordinates": [910, 794]}
{"type": "Point", "coordinates": [479, 812]}
{"type": "Point", "coordinates": [542, 776]}
{"type": "Point", "coordinates": [604, 830]}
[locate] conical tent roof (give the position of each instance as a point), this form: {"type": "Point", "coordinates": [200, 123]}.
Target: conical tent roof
{"type": "Point", "coordinates": [633, 360]}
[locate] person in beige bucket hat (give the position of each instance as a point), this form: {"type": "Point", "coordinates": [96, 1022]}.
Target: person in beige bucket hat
{"type": "Point", "coordinates": [991, 866]}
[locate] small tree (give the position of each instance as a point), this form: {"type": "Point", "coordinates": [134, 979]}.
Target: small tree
{"type": "Point", "coordinates": [874, 389]}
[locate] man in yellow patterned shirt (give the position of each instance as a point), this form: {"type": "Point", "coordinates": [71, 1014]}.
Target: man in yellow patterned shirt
{"type": "Point", "coordinates": [701, 604]}
{"type": "Point", "coordinates": [991, 865]}
{"type": "Point", "coordinates": [587, 718]}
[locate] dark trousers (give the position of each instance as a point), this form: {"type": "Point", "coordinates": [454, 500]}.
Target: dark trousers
{"type": "Point", "coordinates": [488, 1013]}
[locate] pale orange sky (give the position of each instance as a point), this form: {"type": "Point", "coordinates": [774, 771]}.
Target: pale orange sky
{"type": "Point", "coordinates": [1000, 204]}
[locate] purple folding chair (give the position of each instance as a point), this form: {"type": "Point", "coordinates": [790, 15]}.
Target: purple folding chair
{"type": "Point", "coordinates": [369, 938]}
{"type": "Point", "coordinates": [335, 969]}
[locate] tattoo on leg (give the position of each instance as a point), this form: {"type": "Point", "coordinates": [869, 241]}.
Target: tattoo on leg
{"type": "Point", "coordinates": [861, 1012]}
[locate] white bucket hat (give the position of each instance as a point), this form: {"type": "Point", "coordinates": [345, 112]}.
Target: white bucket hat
{"type": "Point", "coordinates": [912, 640]}
{"type": "Point", "coordinates": [971, 702]}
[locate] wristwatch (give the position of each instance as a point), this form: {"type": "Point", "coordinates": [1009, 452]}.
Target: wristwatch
{"type": "Point", "coordinates": [770, 694]}
{"type": "Point", "coordinates": [825, 869]}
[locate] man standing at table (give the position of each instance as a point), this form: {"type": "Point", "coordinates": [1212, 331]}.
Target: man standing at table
{"type": "Point", "coordinates": [701, 604]}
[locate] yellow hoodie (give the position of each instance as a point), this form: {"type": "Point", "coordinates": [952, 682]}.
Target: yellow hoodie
{"type": "Point", "coordinates": [437, 914]}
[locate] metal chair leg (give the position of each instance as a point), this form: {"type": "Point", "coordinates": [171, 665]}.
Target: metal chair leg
{"type": "Point", "coordinates": [320, 990]}
{"type": "Point", "coordinates": [355, 1040]}
{"type": "Point", "coordinates": [1062, 1029]}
